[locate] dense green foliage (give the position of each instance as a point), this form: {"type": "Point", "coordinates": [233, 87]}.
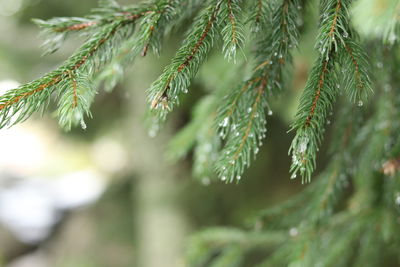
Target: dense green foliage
{"type": "Point", "coordinates": [350, 215]}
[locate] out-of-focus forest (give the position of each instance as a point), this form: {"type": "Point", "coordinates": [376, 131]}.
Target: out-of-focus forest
{"type": "Point", "coordinates": [107, 195]}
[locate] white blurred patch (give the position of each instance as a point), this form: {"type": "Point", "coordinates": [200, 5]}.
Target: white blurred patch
{"type": "Point", "coordinates": [31, 207]}
{"type": "Point", "coordinates": [27, 209]}
{"type": "Point", "coordinates": [77, 189]}
{"type": "Point", "coordinates": [23, 150]}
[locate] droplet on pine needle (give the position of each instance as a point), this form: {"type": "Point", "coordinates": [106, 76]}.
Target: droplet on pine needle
{"type": "Point", "coordinates": [224, 122]}
{"type": "Point", "coordinates": [397, 201]}
{"type": "Point", "coordinates": [83, 125]}
{"type": "Point", "coordinates": [293, 232]}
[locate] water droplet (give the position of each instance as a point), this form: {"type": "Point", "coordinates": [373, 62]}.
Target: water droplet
{"type": "Point", "coordinates": [270, 112]}
{"type": "Point", "coordinates": [225, 122]}
{"type": "Point", "coordinates": [360, 103]}
{"type": "Point", "coordinates": [293, 232]}
{"type": "Point", "coordinates": [303, 145]}
{"type": "Point", "coordinates": [276, 53]}
{"type": "Point", "coordinates": [83, 125]}
{"type": "Point", "coordinates": [223, 178]}
{"type": "Point", "coordinates": [238, 177]}
{"type": "Point", "coordinates": [185, 90]}
{"type": "Point", "coordinates": [232, 162]}
{"type": "Point", "coordinates": [346, 34]}
{"type": "Point", "coordinates": [249, 110]}
{"type": "Point", "coordinates": [294, 175]}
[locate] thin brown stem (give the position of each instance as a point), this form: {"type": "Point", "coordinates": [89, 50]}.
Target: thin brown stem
{"type": "Point", "coordinates": [321, 83]}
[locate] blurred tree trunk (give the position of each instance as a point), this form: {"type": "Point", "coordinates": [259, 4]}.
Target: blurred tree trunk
{"type": "Point", "coordinates": [158, 219]}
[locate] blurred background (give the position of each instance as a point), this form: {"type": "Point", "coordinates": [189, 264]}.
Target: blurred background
{"type": "Point", "coordinates": [106, 196]}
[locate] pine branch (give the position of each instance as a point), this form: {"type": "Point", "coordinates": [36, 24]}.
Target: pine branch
{"type": "Point", "coordinates": [358, 85]}
{"type": "Point", "coordinates": [153, 28]}
{"type": "Point", "coordinates": [227, 246]}
{"type": "Point", "coordinates": [148, 37]}
{"type": "Point", "coordinates": [315, 103]}
{"type": "Point", "coordinates": [75, 102]}
{"type": "Point", "coordinates": [66, 24]}
{"type": "Point", "coordinates": [31, 97]}
{"type": "Point", "coordinates": [324, 194]}
{"type": "Point", "coordinates": [112, 42]}
{"type": "Point", "coordinates": [233, 32]}
{"type": "Point", "coordinates": [248, 133]}
{"type": "Point", "coordinates": [241, 118]}
{"type": "Point", "coordinates": [258, 16]}
{"type": "Point", "coordinates": [164, 92]}
{"type": "Point", "coordinates": [201, 132]}
{"type": "Point", "coordinates": [56, 30]}
{"type": "Point", "coordinates": [335, 40]}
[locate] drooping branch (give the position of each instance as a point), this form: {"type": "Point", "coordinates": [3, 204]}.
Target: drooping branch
{"type": "Point", "coordinates": [241, 118]}
{"type": "Point", "coordinates": [32, 96]}
{"type": "Point", "coordinates": [335, 38]}
{"type": "Point", "coordinates": [176, 77]}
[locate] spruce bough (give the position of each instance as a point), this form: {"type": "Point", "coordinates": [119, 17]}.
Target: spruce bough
{"type": "Point", "coordinates": [118, 34]}
{"type": "Point", "coordinates": [229, 125]}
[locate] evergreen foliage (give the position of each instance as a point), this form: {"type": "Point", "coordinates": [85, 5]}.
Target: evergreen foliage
{"type": "Point", "coordinates": [349, 216]}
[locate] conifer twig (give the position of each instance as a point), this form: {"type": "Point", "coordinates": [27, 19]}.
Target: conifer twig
{"type": "Point", "coordinates": [176, 77]}
{"type": "Point", "coordinates": [323, 85]}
